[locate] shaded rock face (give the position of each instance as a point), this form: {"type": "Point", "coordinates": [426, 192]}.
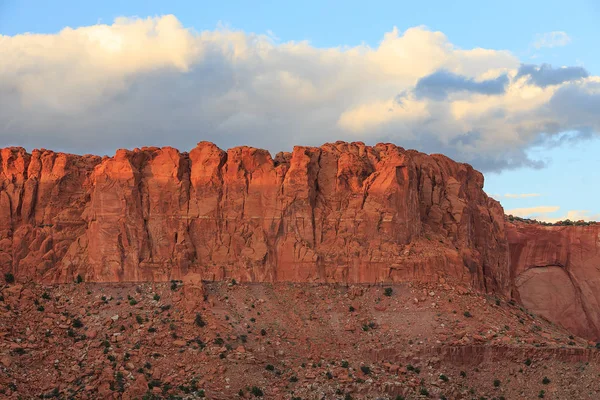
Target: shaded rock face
{"type": "Point", "coordinates": [556, 273]}
{"type": "Point", "coordinates": [342, 212]}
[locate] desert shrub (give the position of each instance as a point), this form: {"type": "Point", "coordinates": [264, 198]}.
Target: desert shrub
{"type": "Point", "coordinates": [365, 370]}
{"type": "Point", "coordinates": [199, 321]}
{"type": "Point", "coordinates": [79, 279]}
{"type": "Point", "coordinates": [467, 314]}
{"type": "Point", "coordinates": [545, 381]}
{"type": "Point", "coordinates": [9, 278]}
{"type": "Point", "coordinates": [270, 367]}
{"type": "Point", "coordinates": [388, 291]}
{"type": "Point", "coordinates": [77, 323]}
{"type": "Point", "coordinates": [19, 350]}
{"type": "Point", "coordinates": [256, 391]}
{"type": "Point", "coordinates": [444, 378]}
{"type": "Point", "coordinates": [496, 382]}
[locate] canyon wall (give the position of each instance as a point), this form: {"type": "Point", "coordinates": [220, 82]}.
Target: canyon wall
{"type": "Point", "coordinates": [556, 273]}
{"type": "Point", "coordinates": [342, 212]}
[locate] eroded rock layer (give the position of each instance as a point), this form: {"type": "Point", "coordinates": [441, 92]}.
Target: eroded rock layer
{"type": "Point", "coordinates": [342, 212]}
{"type": "Point", "coordinates": [556, 273]}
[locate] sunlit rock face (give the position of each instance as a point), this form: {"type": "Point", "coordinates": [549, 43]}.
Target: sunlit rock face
{"type": "Point", "coordinates": [342, 212]}
{"type": "Point", "coordinates": [339, 213]}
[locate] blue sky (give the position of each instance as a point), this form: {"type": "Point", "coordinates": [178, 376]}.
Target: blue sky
{"type": "Point", "coordinates": [525, 29]}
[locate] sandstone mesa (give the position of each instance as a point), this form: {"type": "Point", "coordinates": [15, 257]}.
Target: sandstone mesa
{"type": "Point", "coordinates": [339, 213]}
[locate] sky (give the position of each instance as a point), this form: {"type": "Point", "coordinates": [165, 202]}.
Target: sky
{"type": "Point", "coordinates": [512, 88]}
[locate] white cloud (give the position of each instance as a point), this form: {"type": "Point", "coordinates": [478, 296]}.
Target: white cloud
{"type": "Point", "coordinates": [521, 195]}
{"type": "Point", "coordinates": [532, 212]}
{"type": "Point", "coordinates": [551, 39]}
{"type": "Point", "coordinates": [576, 215]}
{"type": "Point", "coordinates": [154, 82]}
{"type": "Point", "coordinates": [544, 213]}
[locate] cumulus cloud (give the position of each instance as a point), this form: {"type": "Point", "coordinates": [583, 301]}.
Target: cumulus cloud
{"type": "Point", "coordinates": [154, 82]}
{"type": "Point", "coordinates": [551, 39]}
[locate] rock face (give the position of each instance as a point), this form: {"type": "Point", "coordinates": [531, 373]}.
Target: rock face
{"type": "Point", "coordinates": [342, 212]}
{"type": "Point", "coordinates": [556, 273]}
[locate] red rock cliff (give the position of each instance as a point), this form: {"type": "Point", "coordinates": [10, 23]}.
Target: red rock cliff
{"type": "Point", "coordinates": [556, 273]}
{"type": "Point", "coordinates": [342, 212]}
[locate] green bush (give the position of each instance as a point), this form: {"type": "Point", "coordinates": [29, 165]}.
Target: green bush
{"type": "Point", "coordinates": [199, 321]}
{"type": "Point", "coordinates": [388, 291]}
{"type": "Point", "coordinates": [9, 278]}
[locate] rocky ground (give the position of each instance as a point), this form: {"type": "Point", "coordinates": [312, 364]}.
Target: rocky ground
{"type": "Point", "coordinates": [283, 341]}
